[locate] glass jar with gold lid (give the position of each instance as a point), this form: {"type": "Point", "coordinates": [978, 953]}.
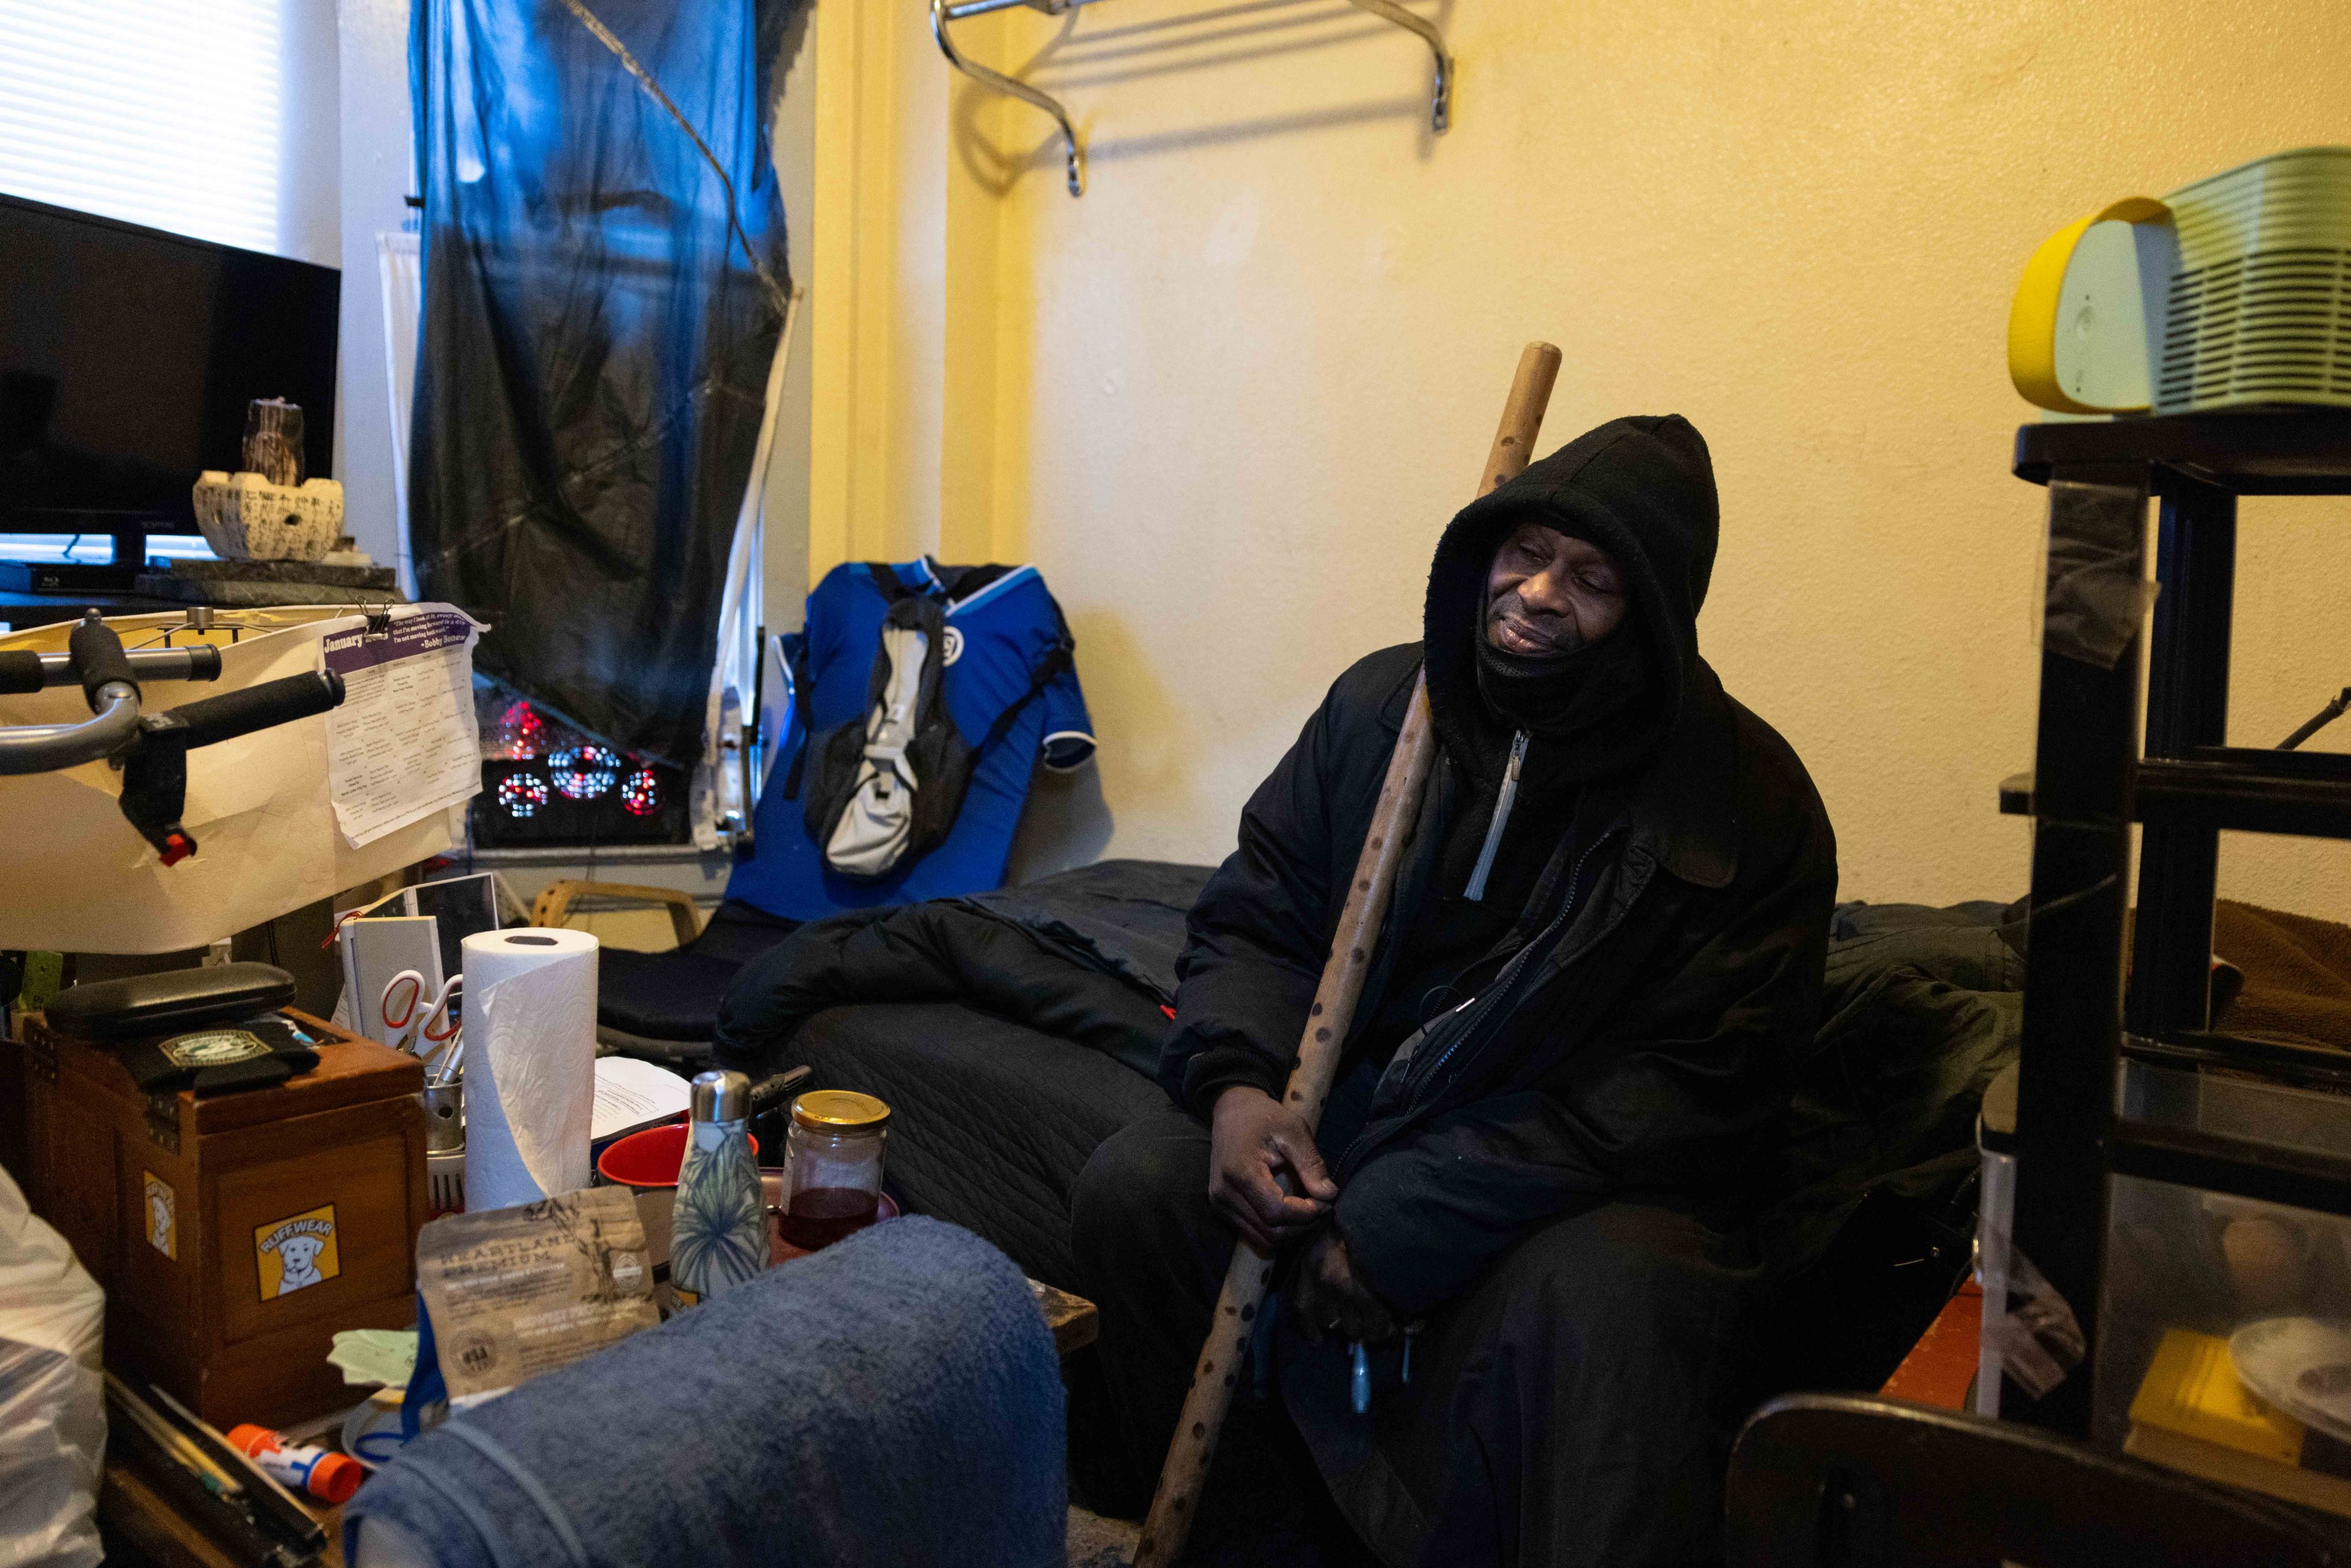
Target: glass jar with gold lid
{"type": "Point", "coordinates": [833, 1166]}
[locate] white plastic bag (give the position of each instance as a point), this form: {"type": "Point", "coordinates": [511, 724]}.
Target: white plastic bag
{"type": "Point", "coordinates": [52, 1396]}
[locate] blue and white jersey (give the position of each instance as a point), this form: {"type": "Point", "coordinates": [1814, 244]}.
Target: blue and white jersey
{"type": "Point", "coordinates": [1002, 624]}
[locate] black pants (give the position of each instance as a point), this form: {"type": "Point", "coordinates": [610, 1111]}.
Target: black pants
{"type": "Point", "coordinates": [1568, 1410]}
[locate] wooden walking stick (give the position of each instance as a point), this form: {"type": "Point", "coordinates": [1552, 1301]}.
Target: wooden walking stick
{"type": "Point", "coordinates": [1180, 1479]}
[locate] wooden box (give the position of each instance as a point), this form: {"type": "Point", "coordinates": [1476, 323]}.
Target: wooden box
{"type": "Point", "coordinates": [236, 1234]}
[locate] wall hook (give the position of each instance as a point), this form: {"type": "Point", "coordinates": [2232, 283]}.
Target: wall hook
{"type": "Point", "coordinates": [1440, 97]}
{"type": "Point", "coordinates": [1440, 110]}
{"type": "Point", "coordinates": [942, 14]}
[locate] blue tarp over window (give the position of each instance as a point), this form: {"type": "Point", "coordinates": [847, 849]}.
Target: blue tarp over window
{"type": "Point", "coordinates": [595, 345]}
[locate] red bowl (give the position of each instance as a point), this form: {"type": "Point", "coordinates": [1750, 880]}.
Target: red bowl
{"type": "Point", "coordinates": [650, 1158]}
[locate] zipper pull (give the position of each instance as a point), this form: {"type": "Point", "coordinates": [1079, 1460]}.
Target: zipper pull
{"type": "Point", "coordinates": [1503, 803]}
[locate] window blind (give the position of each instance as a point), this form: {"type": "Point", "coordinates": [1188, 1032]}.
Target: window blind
{"type": "Point", "coordinates": [161, 112]}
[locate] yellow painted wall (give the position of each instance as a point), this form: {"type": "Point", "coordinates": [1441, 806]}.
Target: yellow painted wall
{"type": "Point", "coordinates": [1231, 396]}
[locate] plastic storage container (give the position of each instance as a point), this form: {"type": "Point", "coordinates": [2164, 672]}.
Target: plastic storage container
{"type": "Point", "coordinates": [2266, 1278]}
{"type": "Point", "coordinates": [2261, 1291]}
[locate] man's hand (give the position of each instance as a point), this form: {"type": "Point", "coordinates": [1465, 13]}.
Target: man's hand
{"type": "Point", "coordinates": [1331, 1301]}
{"type": "Point", "coordinates": [1255, 1140]}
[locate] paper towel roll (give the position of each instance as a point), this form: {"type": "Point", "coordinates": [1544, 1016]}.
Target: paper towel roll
{"type": "Point", "coordinates": [530, 1063]}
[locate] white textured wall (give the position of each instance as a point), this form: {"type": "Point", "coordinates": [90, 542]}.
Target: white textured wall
{"type": "Point", "coordinates": [309, 149]}
{"type": "Point", "coordinates": [378, 174]}
{"type": "Point", "coordinates": [1246, 379]}
{"type": "Point", "coordinates": [309, 167]}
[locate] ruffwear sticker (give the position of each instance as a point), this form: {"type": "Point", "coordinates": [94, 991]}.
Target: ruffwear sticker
{"type": "Point", "coordinates": [298, 1252]}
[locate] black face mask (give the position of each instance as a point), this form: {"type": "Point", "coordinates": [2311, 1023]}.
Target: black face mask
{"type": "Point", "coordinates": [1591, 708]}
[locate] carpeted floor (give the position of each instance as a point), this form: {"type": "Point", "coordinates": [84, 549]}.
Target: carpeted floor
{"type": "Point", "coordinates": [1099, 1542]}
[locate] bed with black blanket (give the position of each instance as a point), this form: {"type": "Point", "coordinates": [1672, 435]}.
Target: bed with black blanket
{"type": "Point", "coordinates": [1011, 1032]}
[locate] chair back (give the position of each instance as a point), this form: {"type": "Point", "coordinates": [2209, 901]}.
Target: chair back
{"type": "Point", "coordinates": [1841, 1481]}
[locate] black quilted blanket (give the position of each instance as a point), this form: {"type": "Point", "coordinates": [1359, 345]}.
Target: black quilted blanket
{"type": "Point", "coordinates": [1011, 1034]}
{"type": "Point", "coordinates": [1087, 957]}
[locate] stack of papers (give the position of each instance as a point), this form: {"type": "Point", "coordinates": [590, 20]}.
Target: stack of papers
{"type": "Point", "coordinates": [402, 745]}
{"type": "Point", "coordinates": [632, 1094]}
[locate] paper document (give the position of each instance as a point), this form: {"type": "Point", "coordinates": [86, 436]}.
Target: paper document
{"type": "Point", "coordinates": [403, 744]}
{"type": "Point", "coordinates": [631, 1094]}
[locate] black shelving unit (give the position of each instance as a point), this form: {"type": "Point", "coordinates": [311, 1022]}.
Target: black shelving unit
{"type": "Point", "coordinates": [2091, 781]}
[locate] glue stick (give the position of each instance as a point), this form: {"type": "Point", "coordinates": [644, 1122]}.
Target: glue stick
{"type": "Point", "coordinates": [324, 1474]}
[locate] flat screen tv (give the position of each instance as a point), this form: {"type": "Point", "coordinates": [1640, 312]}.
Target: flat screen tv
{"type": "Point", "coordinates": [127, 358]}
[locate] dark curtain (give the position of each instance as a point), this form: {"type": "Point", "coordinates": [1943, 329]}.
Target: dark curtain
{"type": "Point", "coordinates": [595, 344]}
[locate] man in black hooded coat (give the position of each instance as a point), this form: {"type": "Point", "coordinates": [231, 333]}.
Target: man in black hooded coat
{"type": "Point", "coordinates": [1553, 1113]}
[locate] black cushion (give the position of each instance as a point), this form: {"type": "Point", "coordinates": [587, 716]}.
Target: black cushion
{"type": "Point", "coordinates": [674, 995]}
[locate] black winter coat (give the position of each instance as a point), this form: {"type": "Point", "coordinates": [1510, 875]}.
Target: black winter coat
{"type": "Point", "coordinates": [1667, 972]}
{"type": "Point", "coordinates": [1647, 1049]}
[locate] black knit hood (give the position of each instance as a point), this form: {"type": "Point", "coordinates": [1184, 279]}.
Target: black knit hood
{"type": "Point", "coordinates": [1641, 488]}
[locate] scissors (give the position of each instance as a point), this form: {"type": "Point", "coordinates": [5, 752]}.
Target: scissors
{"type": "Point", "coordinates": [434, 1020]}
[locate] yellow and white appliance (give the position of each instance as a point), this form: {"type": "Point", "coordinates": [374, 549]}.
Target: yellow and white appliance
{"type": "Point", "coordinates": [2233, 292]}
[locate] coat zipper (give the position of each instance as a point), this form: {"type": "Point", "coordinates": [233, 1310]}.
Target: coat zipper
{"type": "Point", "coordinates": [1502, 983]}
{"type": "Point", "coordinates": [1510, 975]}
{"type": "Point", "coordinates": [1476, 891]}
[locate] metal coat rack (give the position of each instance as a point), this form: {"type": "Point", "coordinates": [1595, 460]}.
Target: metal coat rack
{"type": "Point", "coordinates": [1440, 112]}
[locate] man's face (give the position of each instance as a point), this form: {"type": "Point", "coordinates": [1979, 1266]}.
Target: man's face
{"type": "Point", "coordinates": [1548, 593]}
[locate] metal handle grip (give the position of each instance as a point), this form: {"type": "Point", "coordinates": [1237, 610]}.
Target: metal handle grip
{"type": "Point", "coordinates": [210, 721]}
{"type": "Point", "coordinates": [45, 748]}
{"type": "Point", "coordinates": [22, 671]}
{"type": "Point", "coordinates": [196, 661]}
{"type": "Point", "coordinates": [98, 658]}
